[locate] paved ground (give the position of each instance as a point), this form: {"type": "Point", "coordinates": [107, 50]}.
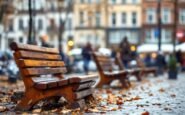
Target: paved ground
{"type": "Point", "coordinates": [157, 96]}
{"type": "Point", "coordinates": [153, 96]}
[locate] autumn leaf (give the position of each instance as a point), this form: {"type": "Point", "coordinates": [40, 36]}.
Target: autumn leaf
{"type": "Point", "coordinates": [161, 90]}
{"type": "Point", "coordinates": [145, 113]}
{"type": "Point", "coordinates": [173, 95]}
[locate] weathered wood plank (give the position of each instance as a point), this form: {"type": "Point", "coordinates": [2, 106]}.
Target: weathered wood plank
{"type": "Point", "coordinates": [84, 78]}
{"type": "Point", "coordinates": [16, 46]}
{"type": "Point", "coordinates": [83, 93]}
{"type": "Point", "coordinates": [104, 59]}
{"type": "Point", "coordinates": [37, 63]}
{"type": "Point", "coordinates": [43, 71]}
{"type": "Point", "coordinates": [41, 79]}
{"type": "Point", "coordinates": [77, 87]}
{"type": "Point", "coordinates": [36, 55]}
{"type": "Point", "coordinates": [45, 84]}
{"type": "Point", "coordinates": [116, 73]}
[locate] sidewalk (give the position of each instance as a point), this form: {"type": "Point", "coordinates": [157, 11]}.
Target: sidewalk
{"type": "Point", "coordinates": [156, 96]}
{"type": "Point", "coordinates": [151, 96]}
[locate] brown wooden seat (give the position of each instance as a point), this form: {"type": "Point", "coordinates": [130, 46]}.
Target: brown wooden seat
{"type": "Point", "coordinates": [42, 73]}
{"type": "Point", "coordinates": [138, 72]}
{"type": "Point", "coordinates": [105, 67]}
{"type": "Point", "coordinates": [146, 70]}
{"type": "Point", "coordinates": [135, 71]}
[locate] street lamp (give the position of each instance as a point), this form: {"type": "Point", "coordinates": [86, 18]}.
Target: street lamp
{"type": "Point", "coordinates": [175, 24]}
{"type": "Point", "coordinates": [159, 23]}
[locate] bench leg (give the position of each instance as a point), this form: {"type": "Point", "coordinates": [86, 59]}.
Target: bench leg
{"type": "Point", "coordinates": [26, 103]}
{"type": "Point", "coordinates": [138, 76]}
{"type": "Point", "coordinates": [125, 83]}
{"type": "Point", "coordinates": [90, 98]}
{"type": "Point", "coordinates": [102, 82]}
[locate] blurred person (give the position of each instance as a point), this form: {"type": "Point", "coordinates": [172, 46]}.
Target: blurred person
{"type": "Point", "coordinates": [44, 41]}
{"type": "Point", "coordinates": [125, 51]}
{"type": "Point", "coordinates": [148, 60]}
{"type": "Point", "coordinates": [160, 63]}
{"type": "Point", "coordinates": [86, 54]}
{"type": "Point", "coordinates": [179, 57]}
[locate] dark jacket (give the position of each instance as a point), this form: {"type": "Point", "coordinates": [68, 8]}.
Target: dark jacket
{"type": "Point", "coordinates": [86, 53]}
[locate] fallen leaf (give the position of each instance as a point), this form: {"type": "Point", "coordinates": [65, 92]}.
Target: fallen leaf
{"type": "Point", "coordinates": [36, 110]}
{"type": "Point", "coordinates": [114, 109]}
{"type": "Point", "coordinates": [161, 90]}
{"type": "Point", "coordinates": [145, 113]}
{"type": "Point", "coordinates": [173, 95]}
{"type": "Point", "coordinates": [119, 102]}
{"type": "Point", "coordinates": [150, 94]}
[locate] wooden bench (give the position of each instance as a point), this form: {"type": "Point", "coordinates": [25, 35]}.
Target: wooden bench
{"type": "Point", "coordinates": [42, 73]}
{"type": "Point", "coordinates": [146, 70]}
{"type": "Point", "coordinates": [137, 72]}
{"type": "Point", "coordinates": [105, 67]}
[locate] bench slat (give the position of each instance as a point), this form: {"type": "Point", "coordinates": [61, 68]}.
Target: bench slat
{"type": "Point", "coordinates": [77, 87]}
{"type": "Point", "coordinates": [36, 55]}
{"type": "Point", "coordinates": [50, 82]}
{"type": "Point", "coordinates": [104, 59]}
{"type": "Point", "coordinates": [43, 71]}
{"type": "Point", "coordinates": [115, 73]}
{"type": "Point", "coordinates": [84, 78]}
{"type": "Point", "coordinates": [83, 93]}
{"type": "Point", "coordinates": [38, 63]}
{"type": "Point", "coordinates": [15, 46]}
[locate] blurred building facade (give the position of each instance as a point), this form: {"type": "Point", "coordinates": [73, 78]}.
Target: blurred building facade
{"type": "Point", "coordinates": [150, 20]}
{"type": "Point", "coordinates": [47, 17]}
{"type": "Point", "coordinates": [106, 22]}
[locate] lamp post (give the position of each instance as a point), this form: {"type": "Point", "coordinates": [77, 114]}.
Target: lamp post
{"type": "Point", "coordinates": [175, 24]}
{"type": "Point", "coordinates": [159, 23]}
{"type": "Point", "coordinates": [30, 22]}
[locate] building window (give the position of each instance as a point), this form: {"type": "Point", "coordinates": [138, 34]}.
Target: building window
{"type": "Point", "coordinates": [166, 35]}
{"type": "Point", "coordinates": [89, 1]}
{"type": "Point", "coordinates": [123, 1]}
{"type": "Point", "coordinates": [182, 16]}
{"type": "Point", "coordinates": [150, 16]}
{"type": "Point", "coordinates": [134, 1]}
{"type": "Point", "coordinates": [68, 24]}
{"type": "Point", "coordinates": [113, 19]}
{"type": "Point", "coordinates": [124, 18]}
{"type": "Point", "coordinates": [97, 1]}
{"type": "Point", "coordinates": [112, 1]}
{"type": "Point", "coordinates": [98, 18]}
{"type": "Point", "coordinates": [134, 18]}
{"type": "Point", "coordinates": [150, 36]}
{"type": "Point", "coordinates": [21, 39]}
{"type": "Point", "coordinates": [11, 25]}
{"type": "Point", "coordinates": [166, 16]}
{"type": "Point", "coordinates": [81, 1]}
{"type": "Point", "coordinates": [81, 18]}
{"type": "Point", "coordinates": [40, 24]}
{"type": "Point", "coordinates": [21, 24]}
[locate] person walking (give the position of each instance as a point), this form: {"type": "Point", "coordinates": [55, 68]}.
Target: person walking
{"type": "Point", "coordinates": [160, 63]}
{"type": "Point", "coordinates": [125, 52]}
{"type": "Point", "coordinates": [86, 54]}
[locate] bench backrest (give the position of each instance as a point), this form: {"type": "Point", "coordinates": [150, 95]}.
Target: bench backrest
{"type": "Point", "coordinates": [103, 62]}
{"type": "Point", "coordinates": [119, 62]}
{"type": "Point", "coordinates": [34, 61]}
